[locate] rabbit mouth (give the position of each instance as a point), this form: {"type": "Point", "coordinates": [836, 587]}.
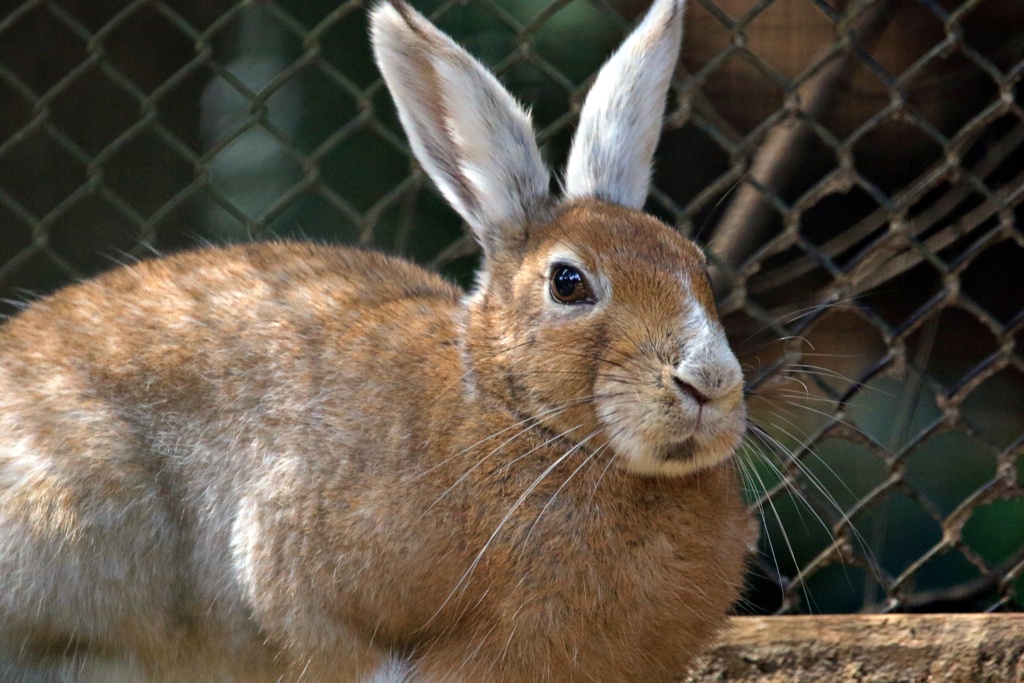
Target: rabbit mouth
{"type": "Point", "coordinates": [644, 448]}
{"type": "Point", "coordinates": [657, 431]}
{"type": "Point", "coordinates": [680, 459]}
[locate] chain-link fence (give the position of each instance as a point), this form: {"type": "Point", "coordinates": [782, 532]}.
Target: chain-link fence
{"type": "Point", "coordinates": [855, 167]}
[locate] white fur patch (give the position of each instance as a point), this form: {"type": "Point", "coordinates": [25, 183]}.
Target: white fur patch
{"type": "Point", "coordinates": [621, 119]}
{"type": "Point", "coordinates": [708, 364]}
{"type": "Point", "coordinates": [394, 670]}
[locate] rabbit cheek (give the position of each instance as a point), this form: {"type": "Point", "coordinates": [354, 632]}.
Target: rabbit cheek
{"type": "Point", "coordinates": [560, 379]}
{"type": "Point", "coordinates": [547, 354]}
{"type": "Point", "coordinates": [635, 421]}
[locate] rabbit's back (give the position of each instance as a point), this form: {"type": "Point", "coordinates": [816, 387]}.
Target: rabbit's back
{"type": "Point", "coordinates": [217, 332]}
{"type": "Point", "coordinates": [138, 410]}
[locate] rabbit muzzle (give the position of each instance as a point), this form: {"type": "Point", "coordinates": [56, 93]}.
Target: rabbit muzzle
{"type": "Point", "coordinates": [688, 416]}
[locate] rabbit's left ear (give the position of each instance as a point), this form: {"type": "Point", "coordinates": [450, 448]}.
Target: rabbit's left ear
{"type": "Point", "coordinates": [621, 118]}
{"type": "Point", "coordinates": [472, 138]}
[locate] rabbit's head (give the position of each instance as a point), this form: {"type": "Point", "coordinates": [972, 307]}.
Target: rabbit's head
{"type": "Point", "coordinates": [588, 315]}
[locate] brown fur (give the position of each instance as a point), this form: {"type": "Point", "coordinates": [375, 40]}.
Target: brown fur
{"type": "Point", "coordinates": [249, 457]}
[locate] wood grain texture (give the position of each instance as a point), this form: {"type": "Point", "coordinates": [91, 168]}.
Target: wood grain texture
{"type": "Point", "coordinates": [946, 648]}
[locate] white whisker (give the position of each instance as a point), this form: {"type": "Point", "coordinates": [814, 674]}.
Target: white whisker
{"type": "Point", "coordinates": [463, 581]}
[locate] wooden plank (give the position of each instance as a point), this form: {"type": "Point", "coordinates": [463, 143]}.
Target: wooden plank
{"type": "Point", "coordinates": [904, 648]}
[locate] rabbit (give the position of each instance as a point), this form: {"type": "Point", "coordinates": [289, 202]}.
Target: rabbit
{"type": "Point", "coordinates": [288, 461]}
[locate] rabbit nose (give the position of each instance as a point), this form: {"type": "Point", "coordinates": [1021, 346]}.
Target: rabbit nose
{"type": "Point", "coordinates": [689, 390]}
{"type": "Point", "coordinates": [708, 376]}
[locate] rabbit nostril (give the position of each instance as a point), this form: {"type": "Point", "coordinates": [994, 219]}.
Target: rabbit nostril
{"type": "Point", "coordinates": [691, 391]}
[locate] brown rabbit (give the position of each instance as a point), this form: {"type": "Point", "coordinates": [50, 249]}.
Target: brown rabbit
{"type": "Point", "coordinates": [296, 462]}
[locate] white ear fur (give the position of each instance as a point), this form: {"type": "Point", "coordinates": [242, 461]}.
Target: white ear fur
{"type": "Point", "coordinates": [472, 138]}
{"type": "Point", "coordinates": [621, 118]}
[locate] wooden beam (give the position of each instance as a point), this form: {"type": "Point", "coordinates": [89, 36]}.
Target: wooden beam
{"type": "Point", "coordinates": [910, 648]}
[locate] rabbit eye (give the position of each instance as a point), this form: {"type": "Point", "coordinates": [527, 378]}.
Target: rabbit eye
{"type": "Point", "coordinates": [568, 286]}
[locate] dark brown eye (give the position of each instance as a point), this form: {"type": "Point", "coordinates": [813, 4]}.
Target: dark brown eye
{"type": "Point", "coordinates": [568, 286]}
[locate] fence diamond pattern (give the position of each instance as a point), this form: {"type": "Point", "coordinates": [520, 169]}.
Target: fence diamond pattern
{"type": "Point", "coordinates": [855, 168]}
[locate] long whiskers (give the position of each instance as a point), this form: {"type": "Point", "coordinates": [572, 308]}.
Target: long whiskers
{"type": "Point", "coordinates": [464, 580]}
{"type": "Point", "coordinates": [821, 489]}
{"type": "Point", "coordinates": [497, 448]}
{"type": "Point", "coordinates": [532, 421]}
{"type": "Point", "coordinates": [805, 401]}
{"type": "Point", "coordinates": [778, 518]}
{"type": "Point", "coordinates": [749, 476]}
{"type": "Point", "coordinates": [590, 458]}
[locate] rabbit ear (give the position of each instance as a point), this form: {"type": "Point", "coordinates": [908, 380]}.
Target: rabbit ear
{"type": "Point", "coordinates": [621, 118]}
{"type": "Point", "coordinates": [472, 138]}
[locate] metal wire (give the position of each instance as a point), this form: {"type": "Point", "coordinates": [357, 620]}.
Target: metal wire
{"type": "Point", "coordinates": [855, 168]}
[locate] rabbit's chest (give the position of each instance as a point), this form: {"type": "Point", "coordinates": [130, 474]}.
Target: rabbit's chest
{"type": "Point", "coordinates": [602, 564]}
{"type": "Point", "coordinates": [609, 590]}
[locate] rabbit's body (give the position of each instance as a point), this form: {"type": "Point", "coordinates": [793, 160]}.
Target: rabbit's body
{"type": "Point", "coordinates": [130, 434]}
{"type": "Point", "coordinates": [296, 462]}
{"type": "Point", "coordinates": [199, 517]}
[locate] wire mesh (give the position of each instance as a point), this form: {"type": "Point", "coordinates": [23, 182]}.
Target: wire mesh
{"type": "Point", "coordinates": [855, 168]}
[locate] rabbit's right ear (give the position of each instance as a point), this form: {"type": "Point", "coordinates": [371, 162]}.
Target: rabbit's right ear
{"type": "Point", "coordinates": [472, 138]}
